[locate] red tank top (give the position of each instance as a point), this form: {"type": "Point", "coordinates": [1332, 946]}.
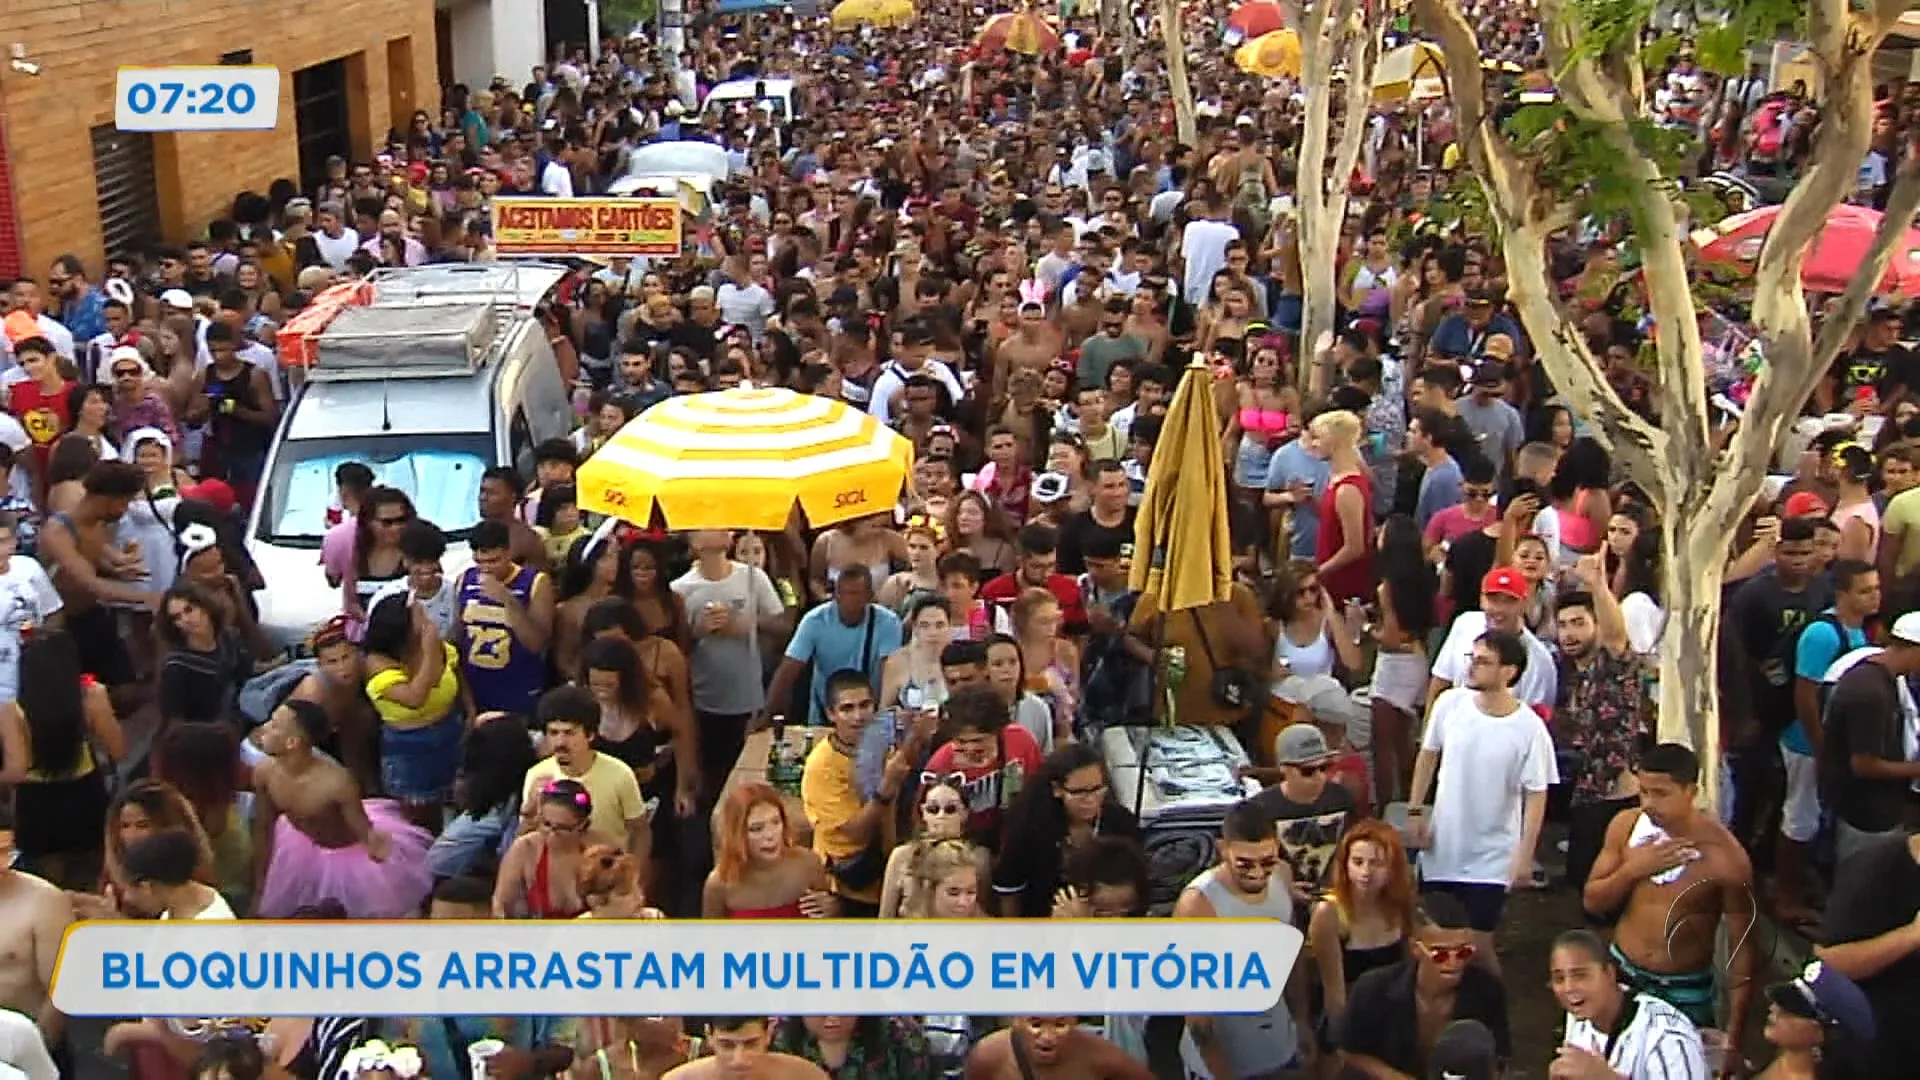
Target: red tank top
{"type": "Point", "coordinates": [540, 898]}
{"type": "Point", "coordinates": [1354, 581]}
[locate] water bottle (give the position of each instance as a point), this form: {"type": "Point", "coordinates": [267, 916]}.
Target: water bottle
{"type": "Point", "coordinates": [582, 399]}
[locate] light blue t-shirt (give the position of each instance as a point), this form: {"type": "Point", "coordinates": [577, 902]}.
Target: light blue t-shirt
{"type": "Point", "coordinates": [826, 641]}
{"type": "Point", "coordinates": [1289, 463]}
{"type": "Point", "coordinates": [1816, 650]}
{"type": "Point", "coordinates": [1440, 487]}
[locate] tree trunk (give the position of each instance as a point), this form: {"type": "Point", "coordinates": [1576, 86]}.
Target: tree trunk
{"type": "Point", "coordinates": [1690, 592]}
{"type": "Point", "coordinates": [1175, 39]}
{"type": "Point", "coordinates": [1319, 231]}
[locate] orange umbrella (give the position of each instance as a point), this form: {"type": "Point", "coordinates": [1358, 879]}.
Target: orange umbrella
{"type": "Point", "coordinates": [1020, 32]}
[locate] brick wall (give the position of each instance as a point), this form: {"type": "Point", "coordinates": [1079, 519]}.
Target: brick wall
{"type": "Point", "coordinates": [77, 44]}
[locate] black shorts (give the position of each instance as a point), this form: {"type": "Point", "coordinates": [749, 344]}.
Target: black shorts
{"type": "Point", "coordinates": [96, 637]}
{"type": "Point", "coordinates": [1485, 904]}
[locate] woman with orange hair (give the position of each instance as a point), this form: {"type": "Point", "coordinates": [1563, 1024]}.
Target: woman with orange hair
{"type": "Point", "coordinates": [759, 872]}
{"type": "Point", "coordinates": [1366, 919]}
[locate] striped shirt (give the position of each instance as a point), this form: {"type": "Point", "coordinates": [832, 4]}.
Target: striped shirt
{"type": "Point", "coordinates": [1658, 1043]}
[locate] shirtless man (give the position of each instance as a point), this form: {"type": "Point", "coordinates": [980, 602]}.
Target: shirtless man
{"type": "Point", "coordinates": [739, 1052]}
{"type": "Point", "coordinates": [317, 795]}
{"type": "Point", "coordinates": [37, 914]}
{"type": "Point", "coordinates": [1678, 874]}
{"type": "Point", "coordinates": [91, 572]}
{"type": "Point", "coordinates": [1032, 346]}
{"type": "Point", "coordinates": [1051, 1048]}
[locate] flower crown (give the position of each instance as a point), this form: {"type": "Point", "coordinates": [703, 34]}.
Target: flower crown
{"type": "Point", "coordinates": [376, 1056]}
{"type": "Point", "coordinates": [929, 524]}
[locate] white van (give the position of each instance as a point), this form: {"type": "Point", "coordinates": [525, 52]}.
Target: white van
{"type": "Point", "coordinates": [778, 94]}
{"type": "Point", "coordinates": [443, 373]}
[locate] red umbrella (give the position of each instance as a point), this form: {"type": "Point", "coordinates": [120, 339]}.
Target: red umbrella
{"type": "Point", "coordinates": [1256, 18]}
{"type": "Point", "coordinates": [1836, 254]}
{"type": "Point", "coordinates": [1019, 32]}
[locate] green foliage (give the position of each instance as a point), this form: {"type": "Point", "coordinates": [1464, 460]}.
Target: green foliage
{"type": "Point", "coordinates": [1606, 27]}
{"type": "Point", "coordinates": [1573, 158]}
{"type": "Point", "coordinates": [625, 16]}
{"type": "Point", "coordinates": [1655, 54]}
{"type": "Point", "coordinates": [1722, 50]}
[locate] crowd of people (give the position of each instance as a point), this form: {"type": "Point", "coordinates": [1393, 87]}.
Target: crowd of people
{"type": "Point", "coordinates": [1439, 654]}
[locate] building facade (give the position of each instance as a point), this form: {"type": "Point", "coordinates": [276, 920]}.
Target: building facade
{"type": "Point", "coordinates": [71, 182]}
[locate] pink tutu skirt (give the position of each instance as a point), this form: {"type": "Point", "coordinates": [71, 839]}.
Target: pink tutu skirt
{"type": "Point", "coordinates": [304, 874]}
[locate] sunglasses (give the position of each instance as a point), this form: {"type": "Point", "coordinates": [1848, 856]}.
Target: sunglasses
{"type": "Point", "coordinates": [943, 809]}
{"type": "Point", "coordinates": [126, 373]}
{"type": "Point", "coordinates": [1446, 954]}
{"type": "Point", "coordinates": [1310, 770]}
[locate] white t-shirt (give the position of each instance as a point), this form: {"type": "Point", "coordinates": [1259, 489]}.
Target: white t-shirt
{"type": "Point", "coordinates": [1538, 684]}
{"type": "Point", "coordinates": [335, 250]}
{"type": "Point", "coordinates": [557, 180]}
{"type": "Point", "coordinates": [1488, 765]}
{"type": "Point", "coordinates": [747, 305]}
{"type": "Point", "coordinates": [893, 378]}
{"type": "Point", "coordinates": [27, 598]}
{"type": "Point", "coordinates": [1659, 1042]}
{"type": "Point", "coordinates": [1203, 247]}
{"type": "Point", "coordinates": [22, 1049]}
{"type": "Point", "coordinates": [217, 911]}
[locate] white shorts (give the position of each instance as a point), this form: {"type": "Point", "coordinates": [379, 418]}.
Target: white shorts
{"type": "Point", "coordinates": [1800, 815]}
{"type": "Point", "coordinates": [1401, 679]}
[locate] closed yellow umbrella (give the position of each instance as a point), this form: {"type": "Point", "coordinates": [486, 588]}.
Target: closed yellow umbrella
{"type": "Point", "coordinates": [1183, 558]}
{"type": "Point", "coordinates": [1411, 71]}
{"type": "Point", "coordinates": [1270, 56]}
{"type": "Point", "coordinates": [743, 459]}
{"type": "Point", "coordinates": [851, 13]}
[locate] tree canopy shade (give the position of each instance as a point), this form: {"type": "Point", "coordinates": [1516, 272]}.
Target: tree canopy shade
{"type": "Point", "coordinates": [1596, 151]}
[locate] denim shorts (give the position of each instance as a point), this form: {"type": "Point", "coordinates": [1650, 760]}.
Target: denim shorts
{"type": "Point", "coordinates": [419, 764]}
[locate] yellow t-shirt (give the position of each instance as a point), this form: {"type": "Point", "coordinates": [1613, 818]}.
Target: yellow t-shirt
{"type": "Point", "coordinates": [558, 544]}
{"type": "Point", "coordinates": [609, 782]}
{"type": "Point", "coordinates": [1903, 517]}
{"type": "Point", "coordinates": [440, 699]}
{"type": "Point", "coordinates": [830, 799]}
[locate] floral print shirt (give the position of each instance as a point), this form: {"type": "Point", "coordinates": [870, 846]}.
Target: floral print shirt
{"type": "Point", "coordinates": [897, 1052]}
{"type": "Point", "coordinates": [1603, 722]}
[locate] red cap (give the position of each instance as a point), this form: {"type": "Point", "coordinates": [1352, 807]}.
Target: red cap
{"type": "Point", "coordinates": [1505, 581]}
{"type": "Point", "coordinates": [1804, 504]}
{"type": "Point", "coordinates": [215, 493]}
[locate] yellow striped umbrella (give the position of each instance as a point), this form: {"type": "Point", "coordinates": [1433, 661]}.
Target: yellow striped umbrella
{"type": "Point", "coordinates": [1415, 71]}
{"type": "Point", "coordinates": [741, 459]}
{"type": "Point", "coordinates": [1181, 529]}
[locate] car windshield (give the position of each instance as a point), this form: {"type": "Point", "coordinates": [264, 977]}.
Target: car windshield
{"type": "Point", "coordinates": [440, 473]}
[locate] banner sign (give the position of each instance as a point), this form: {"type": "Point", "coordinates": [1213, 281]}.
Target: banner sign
{"type": "Point", "coordinates": [586, 227]}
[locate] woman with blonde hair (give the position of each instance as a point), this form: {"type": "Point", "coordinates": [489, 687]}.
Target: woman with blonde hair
{"type": "Point", "coordinates": [139, 810]}
{"type": "Point", "coordinates": [946, 882]}
{"type": "Point", "coordinates": [1367, 917]}
{"type": "Point", "coordinates": [1052, 661]}
{"type": "Point", "coordinates": [1344, 549]}
{"type": "Point", "coordinates": [759, 872]}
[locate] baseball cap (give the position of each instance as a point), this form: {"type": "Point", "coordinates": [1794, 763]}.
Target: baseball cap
{"type": "Point", "coordinates": [1804, 504]}
{"type": "Point", "coordinates": [177, 298]}
{"type": "Point", "coordinates": [1505, 581]}
{"type": "Point", "coordinates": [215, 493]}
{"type": "Point", "coordinates": [1824, 994]}
{"type": "Point", "coordinates": [1300, 744]}
{"type": "Point", "coordinates": [1490, 372]}
{"type": "Point", "coordinates": [1497, 347]}
{"type": "Point", "coordinates": [1465, 1050]}
{"type": "Point", "coordinates": [1906, 628]}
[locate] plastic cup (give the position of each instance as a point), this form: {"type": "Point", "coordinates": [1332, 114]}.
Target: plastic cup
{"type": "Point", "coordinates": [479, 1053]}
